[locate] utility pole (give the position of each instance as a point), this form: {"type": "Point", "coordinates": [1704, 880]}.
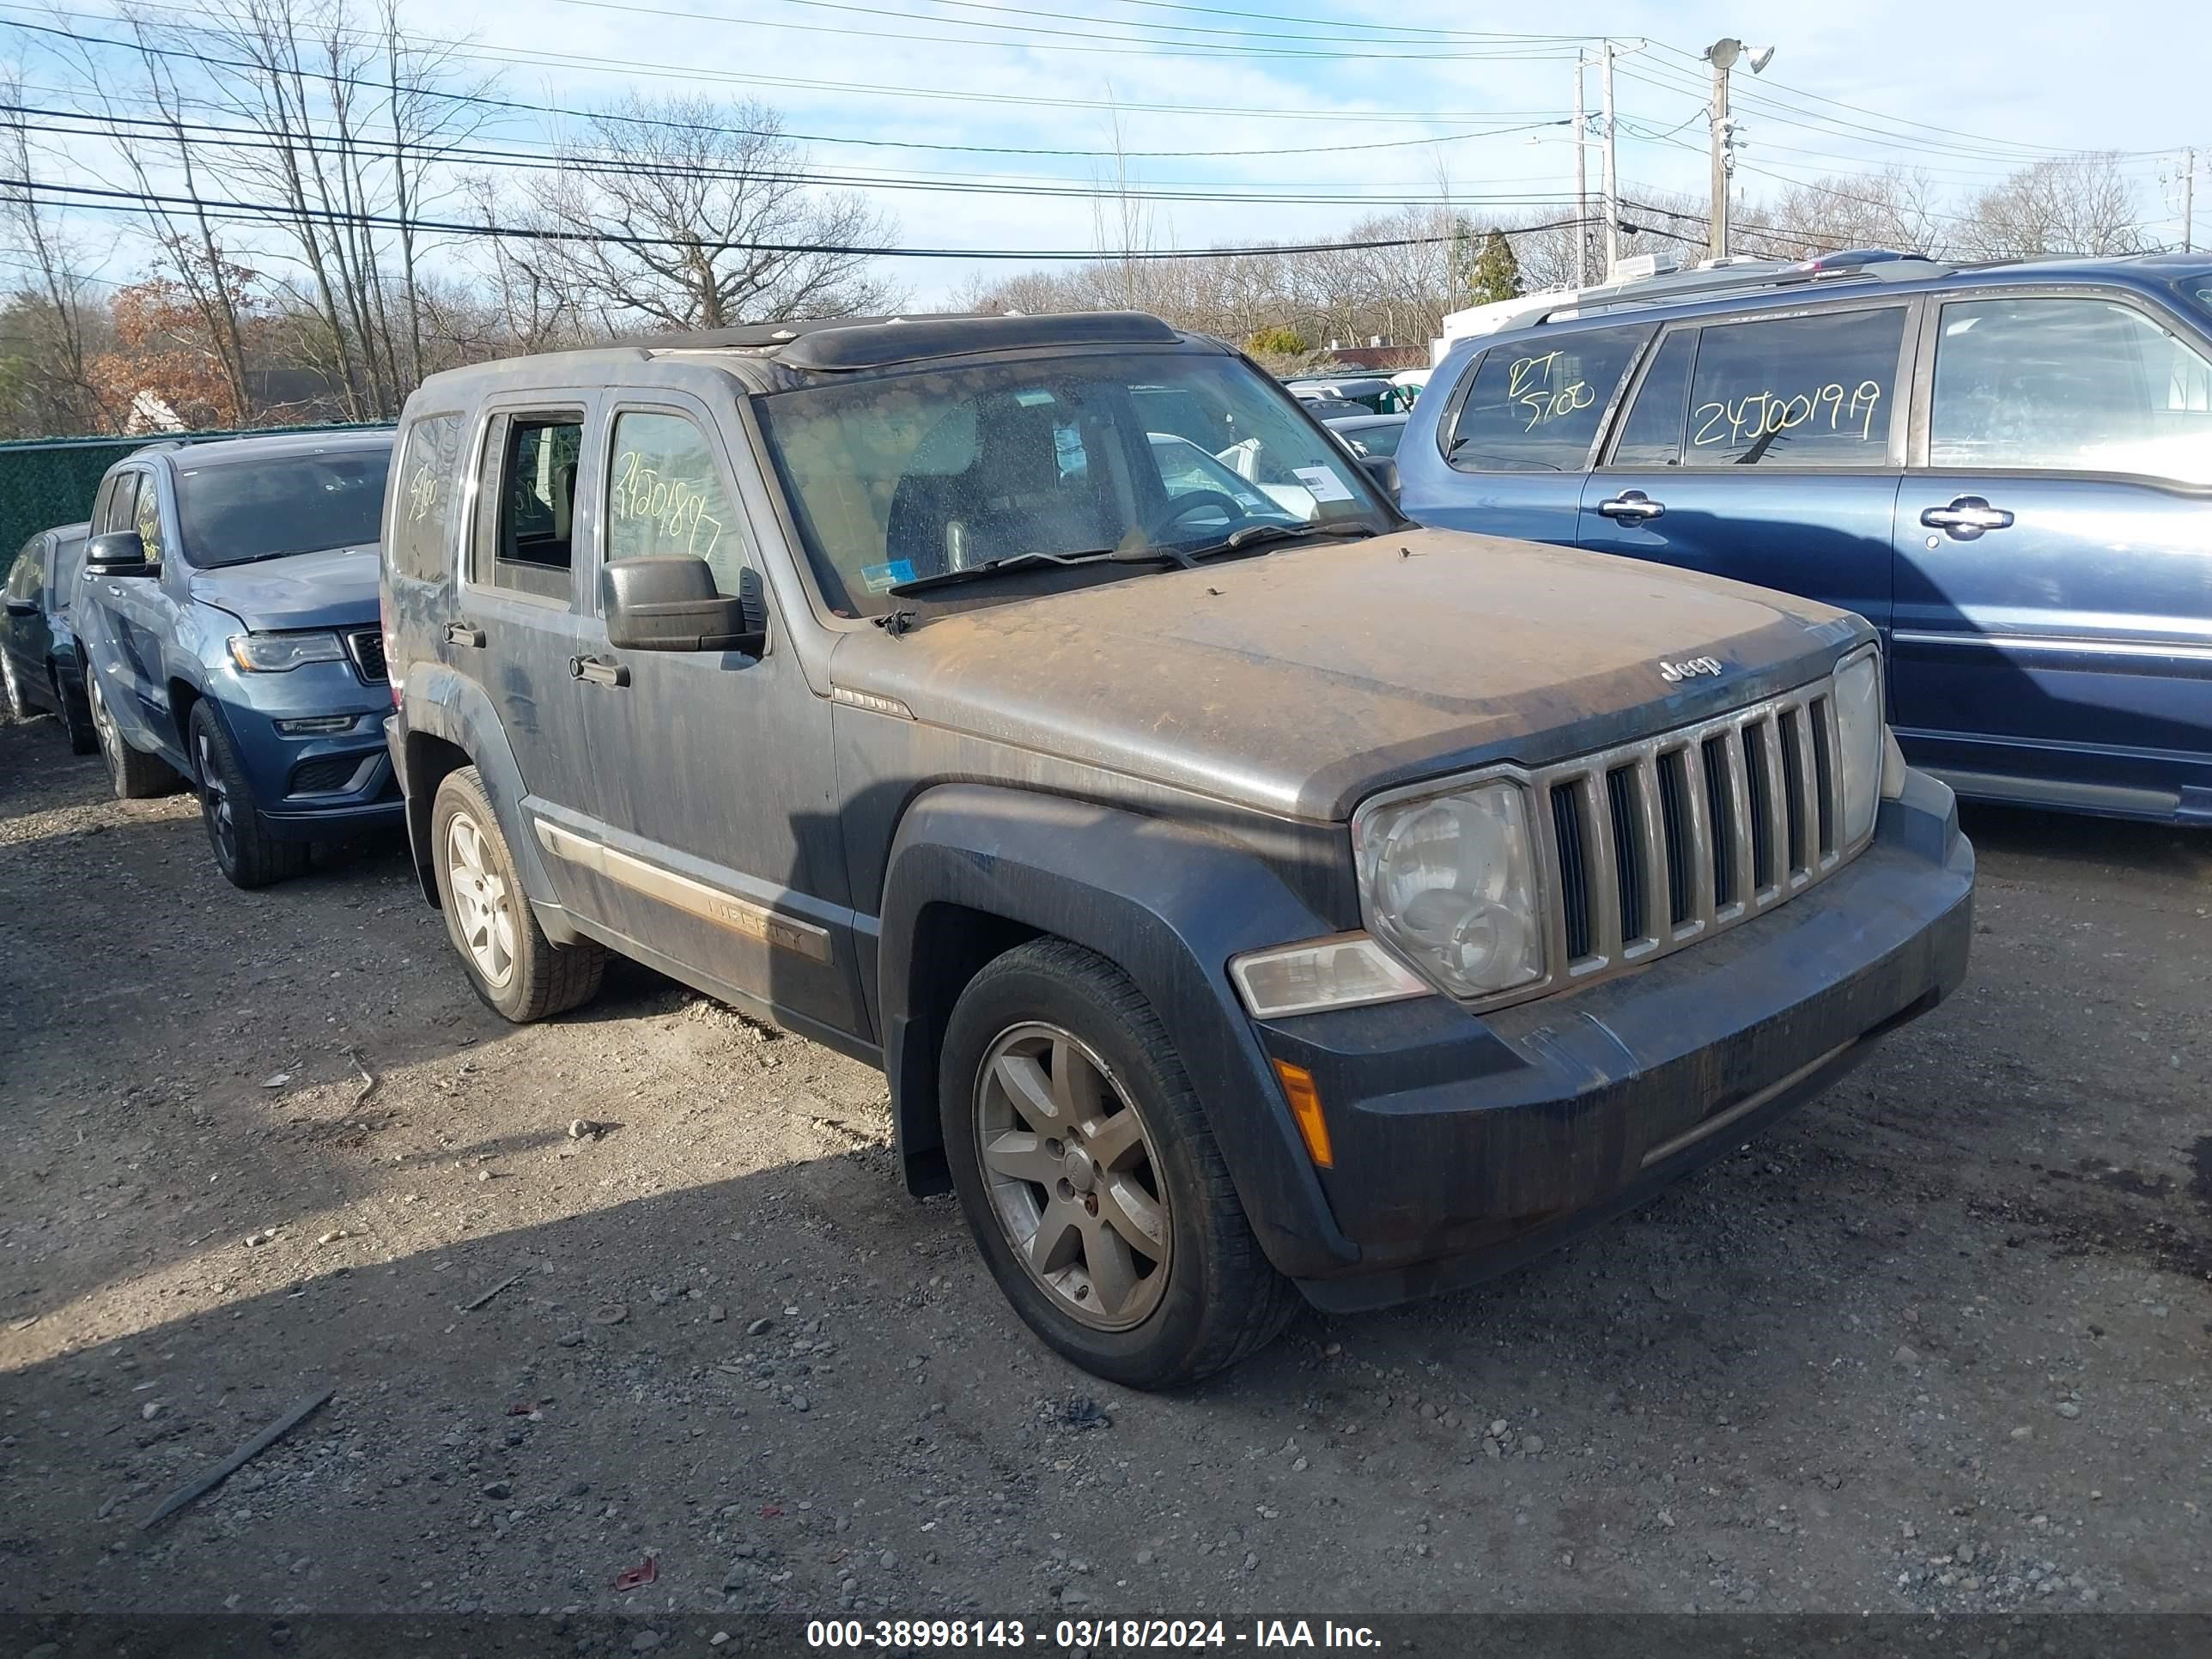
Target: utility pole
{"type": "Point", "coordinates": [1582, 184]}
{"type": "Point", "coordinates": [1612, 176]}
{"type": "Point", "coordinates": [1722, 55]}
{"type": "Point", "coordinates": [2189, 199]}
{"type": "Point", "coordinates": [1719, 247]}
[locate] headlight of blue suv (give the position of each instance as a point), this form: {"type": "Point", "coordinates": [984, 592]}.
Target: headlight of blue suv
{"type": "Point", "coordinates": [1449, 881]}
{"type": "Point", "coordinates": [276, 654]}
{"type": "Point", "coordinates": [1859, 737]}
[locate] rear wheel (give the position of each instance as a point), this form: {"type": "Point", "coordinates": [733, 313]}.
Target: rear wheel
{"type": "Point", "coordinates": [136, 775]}
{"type": "Point", "coordinates": [246, 854]}
{"type": "Point", "coordinates": [517, 971]}
{"type": "Point", "coordinates": [1091, 1179]}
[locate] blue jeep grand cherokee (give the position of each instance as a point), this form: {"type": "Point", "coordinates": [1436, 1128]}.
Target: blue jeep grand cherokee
{"type": "Point", "coordinates": [2007, 469]}
{"type": "Point", "coordinates": [230, 622]}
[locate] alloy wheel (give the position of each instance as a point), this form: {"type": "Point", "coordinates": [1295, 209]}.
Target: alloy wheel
{"type": "Point", "coordinates": [216, 804]}
{"type": "Point", "coordinates": [103, 727]}
{"type": "Point", "coordinates": [482, 903]}
{"type": "Point", "coordinates": [1072, 1177]}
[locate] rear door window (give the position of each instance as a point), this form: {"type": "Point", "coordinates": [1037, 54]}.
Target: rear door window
{"type": "Point", "coordinates": [2069, 384]}
{"type": "Point", "coordinates": [526, 525]}
{"type": "Point", "coordinates": [428, 486]}
{"type": "Point", "coordinates": [1536, 405]}
{"type": "Point", "coordinates": [1812, 390]}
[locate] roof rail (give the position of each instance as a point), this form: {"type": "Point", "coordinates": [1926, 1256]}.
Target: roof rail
{"type": "Point", "coordinates": [1850, 264]}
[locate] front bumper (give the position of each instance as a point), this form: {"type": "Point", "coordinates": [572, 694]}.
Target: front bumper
{"type": "Point", "coordinates": [315, 786]}
{"type": "Point", "coordinates": [1463, 1146]}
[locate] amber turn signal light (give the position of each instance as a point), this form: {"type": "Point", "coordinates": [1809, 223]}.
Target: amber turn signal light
{"type": "Point", "coordinates": [1305, 1108]}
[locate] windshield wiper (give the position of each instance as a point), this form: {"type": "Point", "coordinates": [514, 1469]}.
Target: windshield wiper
{"type": "Point", "coordinates": [1238, 540]}
{"type": "Point", "coordinates": [1013, 562]}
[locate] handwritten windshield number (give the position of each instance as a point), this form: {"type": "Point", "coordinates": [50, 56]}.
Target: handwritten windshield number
{"type": "Point", "coordinates": [1528, 384]}
{"type": "Point", "coordinates": [1761, 414]}
{"type": "Point", "coordinates": [678, 508]}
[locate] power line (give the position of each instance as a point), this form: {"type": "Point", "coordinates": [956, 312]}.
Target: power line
{"type": "Point", "coordinates": [1338, 28]}
{"type": "Point", "coordinates": [265, 213]}
{"type": "Point", "coordinates": [525, 57]}
{"type": "Point", "coordinates": [188, 134]}
{"type": "Point", "coordinates": [486, 101]}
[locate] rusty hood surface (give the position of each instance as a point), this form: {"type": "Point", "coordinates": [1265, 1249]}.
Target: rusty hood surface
{"type": "Point", "coordinates": [1297, 682]}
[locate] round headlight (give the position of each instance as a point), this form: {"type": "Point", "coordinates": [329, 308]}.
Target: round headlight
{"type": "Point", "coordinates": [1450, 884]}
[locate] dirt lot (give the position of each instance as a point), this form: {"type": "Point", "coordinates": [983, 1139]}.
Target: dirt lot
{"type": "Point", "coordinates": [1938, 1343]}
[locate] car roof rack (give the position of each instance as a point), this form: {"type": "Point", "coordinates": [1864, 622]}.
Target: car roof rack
{"type": "Point", "coordinates": [1863, 264]}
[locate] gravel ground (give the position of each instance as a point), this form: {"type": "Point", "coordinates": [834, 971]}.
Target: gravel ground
{"type": "Point", "coordinates": [1939, 1342]}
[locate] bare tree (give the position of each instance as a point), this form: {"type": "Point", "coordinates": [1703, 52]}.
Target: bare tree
{"type": "Point", "coordinates": [689, 214]}
{"type": "Point", "coordinates": [54, 314]}
{"type": "Point", "coordinates": [2071, 205]}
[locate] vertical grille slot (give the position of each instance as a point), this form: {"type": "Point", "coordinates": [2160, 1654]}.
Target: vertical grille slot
{"type": "Point", "coordinates": [1722, 817]}
{"type": "Point", "coordinates": [1674, 819]}
{"type": "Point", "coordinates": [1628, 851]}
{"type": "Point", "coordinates": [1824, 773]}
{"type": "Point", "coordinates": [1793, 790]}
{"type": "Point", "coordinates": [1762, 806]}
{"type": "Point", "coordinates": [1574, 872]}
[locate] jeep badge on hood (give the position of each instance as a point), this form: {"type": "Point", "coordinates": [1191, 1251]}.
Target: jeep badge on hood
{"type": "Point", "coordinates": [1675, 672]}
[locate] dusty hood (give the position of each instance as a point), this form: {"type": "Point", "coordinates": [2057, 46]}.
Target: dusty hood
{"type": "Point", "coordinates": [1297, 682]}
{"type": "Point", "coordinates": [336, 588]}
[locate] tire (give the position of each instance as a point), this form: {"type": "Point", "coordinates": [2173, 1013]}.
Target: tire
{"type": "Point", "coordinates": [136, 775]}
{"type": "Point", "coordinates": [11, 690]}
{"type": "Point", "coordinates": [520, 974]}
{"type": "Point", "coordinates": [1207, 1297]}
{"type": "Point", "coordinates": [76, 718]}
{"type": "Point", "coordinates": [246, 852]}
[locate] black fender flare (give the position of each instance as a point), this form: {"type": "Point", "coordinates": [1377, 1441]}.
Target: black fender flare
{"type": "Point", "coordinates": [454, 708]}
{"type": "Point", "coordinates": [1168, 904]}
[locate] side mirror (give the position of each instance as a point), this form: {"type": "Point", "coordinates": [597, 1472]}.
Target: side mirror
{"type": "Point", "coordinates": [116, 553]}
{"type": "Point", "coordinates": [1383, 470]}
{"type": "Point", "coordinates": [670, 603]}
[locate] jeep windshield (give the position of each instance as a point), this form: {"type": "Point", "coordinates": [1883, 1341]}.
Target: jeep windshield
{"type": "Point", "coordinates": [897, 479]}
{"type": "Point", "coordinates": [234, 512]}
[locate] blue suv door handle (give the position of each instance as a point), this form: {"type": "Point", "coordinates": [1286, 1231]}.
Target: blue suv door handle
{"type": "Point", "coordinates": [1631, 507]}
{"type": "Point", "coordinates": [1966, 518]}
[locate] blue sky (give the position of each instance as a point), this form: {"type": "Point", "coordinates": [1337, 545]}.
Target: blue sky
{"type": "Point", "coordinates": [1967, 90]}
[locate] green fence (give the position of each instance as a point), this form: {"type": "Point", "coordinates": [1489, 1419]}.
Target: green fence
{"type": "Point", "coordinates": [45, 481]}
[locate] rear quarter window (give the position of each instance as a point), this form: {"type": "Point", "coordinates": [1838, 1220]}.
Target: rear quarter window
{"type": "Point", "coordinates": [425, 490]}
{"type": "Point", "coordinates": [1536, 405]}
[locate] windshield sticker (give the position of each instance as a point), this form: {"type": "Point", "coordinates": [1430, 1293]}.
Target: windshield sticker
{"type": "Point", "coordinates": [1325, 484]}
{"type": "Point", "coordinates": [1034, 397]}
{"type": "Point", "coordinates": [882, 577]}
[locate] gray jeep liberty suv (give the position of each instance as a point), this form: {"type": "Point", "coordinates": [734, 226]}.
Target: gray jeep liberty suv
{"type": "Point", "coordinates": [1243, 888]}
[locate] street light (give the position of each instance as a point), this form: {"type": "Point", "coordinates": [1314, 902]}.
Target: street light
{"type": "Point", "coordinates": [1723, 55]}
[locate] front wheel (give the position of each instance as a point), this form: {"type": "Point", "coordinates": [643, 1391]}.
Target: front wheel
{"type": "Point", "coordinates": [1091, 1179]}
{"type": "Point", "coordinates": [76, 719]}
{"type": "Point", "coordinates": [246, 854]}
{"type": "Point", "coordinates": [518, 972]}
{"type": "Point", "coordinates": [11, 690]}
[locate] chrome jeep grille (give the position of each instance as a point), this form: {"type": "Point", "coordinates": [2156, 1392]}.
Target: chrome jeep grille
{"type": "Point", "coordinates": [1655, 843]}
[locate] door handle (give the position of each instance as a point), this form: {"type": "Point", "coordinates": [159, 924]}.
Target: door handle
{"type": "Point", "coordinates": [1631, 507]}
{"type": "Point", "coordinates": [114, 592]}
{"type": "Point", "coordinates": [1966, 518]}
{"type": "Point", "coordinates": [462, 634]}
{"type": "Point", "coordinates": [596, 673]}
